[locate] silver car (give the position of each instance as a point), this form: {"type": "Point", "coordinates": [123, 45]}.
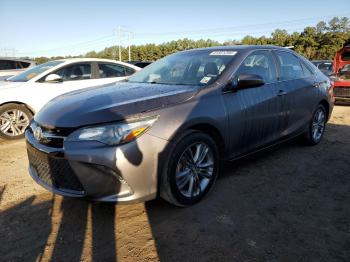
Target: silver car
{"type": "Point", "coordinates": [166, 130]}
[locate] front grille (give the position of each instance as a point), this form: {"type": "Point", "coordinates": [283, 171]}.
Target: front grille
{"type": "Point", "coordinates": [341, 91]}
{"type": "Point", "coordinates": [55, 172]}
{"type": "Point", "coordinates": [53, 137]}
{"type": "Point", "coordinates": [56, 142]}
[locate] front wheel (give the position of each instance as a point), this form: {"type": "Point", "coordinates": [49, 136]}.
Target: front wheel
{"type": "Point", "coordinates": [14, 119]}
{"type": "Point", "coordinates": [316, 126]}
{"type": "Point", "coordinates": [191, 169]}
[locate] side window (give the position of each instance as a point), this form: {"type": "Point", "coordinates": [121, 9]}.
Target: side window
{"type": "Point", "coordinates": [129, 71]}
{"type": "Point", "coordinates": [7, 65]}
{"type": "Point", "coordinates": [290, 66]}
{"type": "Point", "coordinates": [75, 72]}
{"type": "Point", "coordinates": [307, 71]}
{"type": "Point", "coordinates": [107, 70]}
{"type": "Point", "coordinates": [18, 65]}
{"type": "Point", "coordinates": [259, 63]}
{"type": "Point", "coordinates": [24, 64]}
{"type": "Point", "coordinates": [2, 65]}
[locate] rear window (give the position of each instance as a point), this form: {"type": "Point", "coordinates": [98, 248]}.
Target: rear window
{"type": "Point", "coordinates": [345, 56]}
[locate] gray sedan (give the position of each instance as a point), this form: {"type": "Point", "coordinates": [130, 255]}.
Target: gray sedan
{"type": "Point", "coordinates": [167, 129]}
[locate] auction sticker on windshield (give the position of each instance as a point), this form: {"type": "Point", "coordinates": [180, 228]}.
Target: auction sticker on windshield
{"type": "Point", "coordinates": [205, 79]}
{"type": "Point", "coordinates": [226, 53]}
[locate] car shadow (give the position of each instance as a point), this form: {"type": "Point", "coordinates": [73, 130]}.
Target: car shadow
{"type": "Point", "coordinates": [289, 203]}
{"type": "Point", "coordinates": [54, 228]}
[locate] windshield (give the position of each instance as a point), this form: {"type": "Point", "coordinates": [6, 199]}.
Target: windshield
{"type": "Point", "coordinates": [199, 67]}
{"type": "Point", "coordinates": [33, 72]}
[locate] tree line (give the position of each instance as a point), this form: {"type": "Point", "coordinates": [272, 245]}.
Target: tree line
{"type": "Point", "coordinates": [314, 42]}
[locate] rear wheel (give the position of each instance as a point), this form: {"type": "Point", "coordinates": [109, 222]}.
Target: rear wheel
{"type": "Point", "coordinates": [191, 169]}
{"type": "Point", "coordinates": [316, 126]}
{"type": "Point", "coordinates": [14, 119]}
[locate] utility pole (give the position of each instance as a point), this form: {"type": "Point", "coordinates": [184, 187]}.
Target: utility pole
{"type": "Point", "coordinates": [122, 32]}
{"type": "Point", "coordinates": [129, 35]}
{"type": "Point", "coordinates": [120, 43]}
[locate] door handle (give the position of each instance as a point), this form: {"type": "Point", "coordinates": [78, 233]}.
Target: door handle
{"type": "Point", "coordinates": [281, 93]}
{"type": "Point", "coordinates": [315, 84]}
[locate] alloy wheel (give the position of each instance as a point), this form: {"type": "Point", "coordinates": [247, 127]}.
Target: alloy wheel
{"type": "Point", "coordinates": [318, 124]}
{"type": "Point", "coordinates": [194, 170]}
{"type": "Point", "coordinates": [13, 122]}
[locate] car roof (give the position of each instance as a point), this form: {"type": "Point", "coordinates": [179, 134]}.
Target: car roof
{"type": "Point", "coordinates": [81, 59]}
{"type": "Point", "coordinates": [17, 59]}
{"type": "Point", "coordinates": [242, 47]}
{"type": "Point", "coordinates": [77, 59]}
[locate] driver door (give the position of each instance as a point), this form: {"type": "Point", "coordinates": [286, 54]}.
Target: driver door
{"type": "Point", "coordinates": [74, 76]}
{"type": "Point", "coordinates": [255, 113]}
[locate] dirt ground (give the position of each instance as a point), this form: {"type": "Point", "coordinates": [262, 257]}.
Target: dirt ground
{"type": "Point", "coordinates": [291, 203]}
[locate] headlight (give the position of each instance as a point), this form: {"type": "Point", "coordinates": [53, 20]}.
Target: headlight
{"type": "Point", "coordinates": [113, 134]}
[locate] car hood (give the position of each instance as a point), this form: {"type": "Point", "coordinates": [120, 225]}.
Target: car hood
{"type": "Point", "coordinates": [8, 84]}
{"type": "Point", "coordinates": [110, 103]}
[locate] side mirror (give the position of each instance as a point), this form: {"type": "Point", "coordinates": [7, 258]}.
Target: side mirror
{"type": "Point", "coordinates": [244, 81]}
{"type": "Point", "coordinates": [53, 78]}
{"type": "Point", "coordinates": [249, 80]}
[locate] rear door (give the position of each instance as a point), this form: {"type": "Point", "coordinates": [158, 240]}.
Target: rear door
{"type": "Point", "coordinates": [254, 113]}
{"type": "Point", "coordinates": [110, 72]}
{"type": "Point", "coordinates": [299, 83]}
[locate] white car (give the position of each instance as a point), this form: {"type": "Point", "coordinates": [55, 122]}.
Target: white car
{"type": "Point", "coordinates": [13, 66]}
{"type": "Point", "coordinates": [23, 95]}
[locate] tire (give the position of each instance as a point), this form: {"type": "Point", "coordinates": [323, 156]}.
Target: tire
{"type": "Point", "coordinates": [318, 121]}
{"type": "Point", "coordinates": [14, 118]}
{"type": "Point", "coordinates": [179, 172]}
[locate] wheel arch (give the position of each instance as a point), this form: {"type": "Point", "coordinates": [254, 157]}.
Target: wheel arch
{"type": "Point", "coordinates": [19, 103]}
{"type": "Point", "coordinates": [326, 106]}
{"type": "Point", "coordinates": [206, 127]}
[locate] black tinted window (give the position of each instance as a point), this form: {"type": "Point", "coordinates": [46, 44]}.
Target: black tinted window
{"type": "Point", "coordinates": [259, 63]}
{"type": "Point", "coordinates": [75, 72]}
{"type": "Point", "coordinates": [345, 56]}
{"type": "Point", "coordinates": [7, 65]}
{"type": "Point", "coordinates": [290, 66]}
{"type": "Point", "coordinates": [112, 70]}
{"type": "Point", "coordinates": [24, 64]}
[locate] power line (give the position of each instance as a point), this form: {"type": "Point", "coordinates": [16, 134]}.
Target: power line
{"type": "Point", "coordinates": [212, 32]}
{"type": "Point", "coordinates": [288, 22]}
{"type": "Point", "coordinates": [80, 44]}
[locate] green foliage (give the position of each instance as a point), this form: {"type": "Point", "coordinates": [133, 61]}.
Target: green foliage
{"type": "Point", "coordinates": [319, 42]}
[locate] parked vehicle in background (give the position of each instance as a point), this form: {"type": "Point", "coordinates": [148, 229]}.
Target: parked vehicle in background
{"type": "Point", "coordinates": [141, 64]}
{"type": "Point", "coordinates": [168, 127]}
{"type": "Point", "coordinates": [342, 74]}
{"type": "Point", "coordinates": [326, 66]}
{"type": "Point", "coordinates": [21, 96]}
{"type": "Point", "coordinates": [13, 66]}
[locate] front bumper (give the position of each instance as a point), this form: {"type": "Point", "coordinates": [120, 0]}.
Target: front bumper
{"type": "Point", "coordinates": [125, 173]}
